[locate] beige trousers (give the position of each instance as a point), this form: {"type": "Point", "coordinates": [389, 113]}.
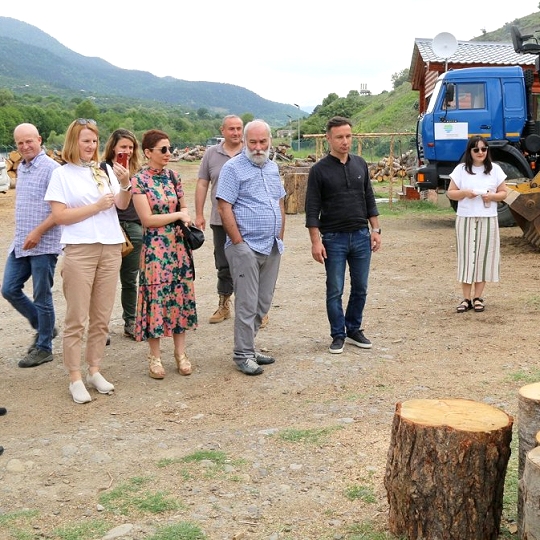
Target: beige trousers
{"type": "Point", "coordinates": [90, 275]}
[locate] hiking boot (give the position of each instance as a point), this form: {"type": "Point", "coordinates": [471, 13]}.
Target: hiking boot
{"type": "Point", "coordinates": [336, 347]}
{"type": "Point", "coordinates": [34, 341]}
{"type": "Point", "coordinates": [264, 359]}
{"type": "Point", "coordinates": [223, 311]}
{"type": "Point", "coordinates": [357, 338]}
{"type": "Point", "coordinates": [129, 330]}
{"type": "Point", "coordinates": [249, 367]}
{"type": "Point", "coordinates": [36, 357]}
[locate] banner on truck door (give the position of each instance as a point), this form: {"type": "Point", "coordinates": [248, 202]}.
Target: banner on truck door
{"type": "Point", "coordinates": [457, 130]}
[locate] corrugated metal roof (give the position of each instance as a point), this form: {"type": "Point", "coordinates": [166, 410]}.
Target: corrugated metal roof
{"type": "Point", "coordinates": [475, 52]}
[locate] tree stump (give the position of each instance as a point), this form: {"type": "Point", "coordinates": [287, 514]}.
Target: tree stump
{"type": "Point", "coordinates": [528, 428]}
{"type": "Point", "coordinates": [445, 469]}
{"type": "Point", "coordinates": [530, 524]}
{"type": "Point", "coordinates": [295, 184]}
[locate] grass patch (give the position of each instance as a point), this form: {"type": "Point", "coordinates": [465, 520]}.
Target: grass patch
{"type": "Point", "coordinates": [82, 531]}
{"type": "Point", "coordinates": [131, 496]}
{"type": "Point", "coordinates": [367, 531]}
{"type": "Point", "coordinates": [17, 524]}
{"type": "Point", "coordinates": [400, 208]}
{"type": "Point", "coordinates": [179, 531]}
{"type": "Point", "coordinates": [362, 493]}
{"type": "Point", "coordinates": [219, 458]}
{"type": "Point", "coordinates": [510, 498]}
{"type": "Point", "coordinates": [527, 377]}
{"type": "Point", "coordinates": [309, 436]}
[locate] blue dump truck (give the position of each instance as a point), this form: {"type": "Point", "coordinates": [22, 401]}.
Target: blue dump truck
{"type": "Point", "coordinates": [498, 104]}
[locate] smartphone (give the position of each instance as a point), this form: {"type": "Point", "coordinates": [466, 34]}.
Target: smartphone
{"type": "Point", "coordinates": [122, 158]}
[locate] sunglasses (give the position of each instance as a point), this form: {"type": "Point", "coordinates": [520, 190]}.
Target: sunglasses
{"type": "Point", "coordinates": [84, 121]}
{"type": "Point", "coordinates": [476, 150]}
{"type": "Point", "coordinates": [164, 149]}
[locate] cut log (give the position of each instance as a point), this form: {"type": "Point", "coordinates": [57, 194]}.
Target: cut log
{"type": "Point", "coordinates": [528, 428]}
{"type": "Point", "coordinates": [445, 469]}
{"type": "Point", "coordinates": [295, 184]}
{"type": "Point", "coordinates": [530, 527]}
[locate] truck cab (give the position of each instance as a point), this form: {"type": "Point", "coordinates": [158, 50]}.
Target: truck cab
{"type": "Point", "coordinates": [493, 102]}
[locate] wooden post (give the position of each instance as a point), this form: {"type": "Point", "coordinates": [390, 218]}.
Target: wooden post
{"type": "Point", "coordinates": [445, 469]}
{"type": "Point", "coordinates": [528, 428]}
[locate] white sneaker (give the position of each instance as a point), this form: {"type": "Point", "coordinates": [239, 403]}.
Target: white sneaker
{"type": "Point", "coordinates": [79, 392]}
{"type": "Point", "coordinates": [99, 382]}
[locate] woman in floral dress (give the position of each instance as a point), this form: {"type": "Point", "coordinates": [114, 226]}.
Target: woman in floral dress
{"type": "Point", "coordinates": [166, 297]}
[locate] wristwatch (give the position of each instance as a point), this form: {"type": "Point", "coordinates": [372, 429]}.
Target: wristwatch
{"type": "Point", "coordinates": [127, 188]}
{"type": "Point", "coordinates": [378, 231]}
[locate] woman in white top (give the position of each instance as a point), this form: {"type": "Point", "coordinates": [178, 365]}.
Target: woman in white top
{"type": "Point", "coordinates": [478, 185]}
{"type": "Point", "coordinates": [84, 199]}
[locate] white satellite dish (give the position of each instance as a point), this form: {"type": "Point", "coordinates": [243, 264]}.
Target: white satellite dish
{"type": "Point", "coordinates": [444, 45]}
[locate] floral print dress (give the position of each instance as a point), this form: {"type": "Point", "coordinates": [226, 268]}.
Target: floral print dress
{"type": "Point", "coordinates": [166, 296]}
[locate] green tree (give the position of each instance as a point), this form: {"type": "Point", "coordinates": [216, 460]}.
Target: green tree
{"type": "Point", "coordinates": [399, 78]}
{"type": "Point", "coordinates": [86, 109]}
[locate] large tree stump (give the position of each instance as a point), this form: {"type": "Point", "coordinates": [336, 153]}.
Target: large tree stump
{"type": "Point", "coordinates": [295, 184]}
{"type": "Point", "coordinates": [530, 524]}
{"type": "Point", "coordinates": [445, 469]}
{"type": "Point", "coordinates": [528, 428]}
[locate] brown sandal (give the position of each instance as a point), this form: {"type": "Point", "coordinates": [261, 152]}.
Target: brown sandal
{"type": "Point", "coordinates": [183, 364]}
{"type": "Point", "coordinates": [464, 306]}
{"type": "Point", "coordinates": [155, 367]}
{"type": "Point", "coordinates": [478, 304]}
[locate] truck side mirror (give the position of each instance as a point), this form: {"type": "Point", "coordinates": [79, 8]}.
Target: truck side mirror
{"type": "Point", "coordinates": [450, 94]}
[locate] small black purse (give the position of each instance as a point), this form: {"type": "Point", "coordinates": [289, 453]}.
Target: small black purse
{"type": "Point", "coordinates": [193, 236]}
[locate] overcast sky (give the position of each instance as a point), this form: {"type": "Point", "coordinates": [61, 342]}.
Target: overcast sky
{"type": "Point", "coordinates": [288, 52]}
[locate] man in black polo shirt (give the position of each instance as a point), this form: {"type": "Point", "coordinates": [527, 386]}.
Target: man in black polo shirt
{"type": "Point", "coordinates": [342, 218]}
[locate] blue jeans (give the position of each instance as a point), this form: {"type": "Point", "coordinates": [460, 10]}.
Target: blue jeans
{"type": "Point", "coordinates": [40, 311]}
{"type": "Point", "coordinates": [354, 249]}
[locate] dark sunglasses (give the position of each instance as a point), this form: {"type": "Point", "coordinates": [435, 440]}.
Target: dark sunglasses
{"type": "Point", "coordinates": [164, 149]}
{"type": "Point", "coordinates": [84, 121]}
{"type": "Point", "coordinates": [483, 149]}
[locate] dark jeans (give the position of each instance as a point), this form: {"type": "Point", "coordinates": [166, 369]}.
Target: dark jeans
{"type": "Point", "coordinates": [225, 282]}
{"type": "Point", "coordinates": [129, 272]}
{"type": "Point", "coordinates": [353, 249]}
{"type": "Point", "coordinates": [40, 311]}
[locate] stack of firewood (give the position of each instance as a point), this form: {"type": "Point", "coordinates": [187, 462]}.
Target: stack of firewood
{"type": "Point", "coordinates": [386, 169]}
{"type": "Point", "coordinates": [12, 162]}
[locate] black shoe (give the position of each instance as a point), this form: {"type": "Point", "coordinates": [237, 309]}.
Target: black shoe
{"type": "Point", "coordinates": [35, 358]}
{"type": "Point", "coordinates": [3, 411]}
{"type": "Point", "coordinates": [34, 341]}
{"type": "Point", "coordinates": [264, 359]}
{"type": "Point", "coordinates": [357, 338]}
{"type": "Point", "coordinates": [108, 342]}
{"type": "Point", "coordinates": [336, 347]}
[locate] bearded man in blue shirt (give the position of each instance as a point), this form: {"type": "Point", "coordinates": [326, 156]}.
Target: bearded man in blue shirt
{"type": "Point", "coordinates": [251, 205]}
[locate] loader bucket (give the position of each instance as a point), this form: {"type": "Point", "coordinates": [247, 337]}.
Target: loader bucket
{"type": "Point", "coordinates": [524, 203]}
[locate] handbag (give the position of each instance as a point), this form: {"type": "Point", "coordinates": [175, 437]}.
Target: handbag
{"type": "Point", "coordinates": [127, 246]}
{"type": "Point", "coordinates": [193, 236]}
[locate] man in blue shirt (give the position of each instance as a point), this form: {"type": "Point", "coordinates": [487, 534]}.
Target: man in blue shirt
{"type": "Point", "coordinates": [342, 219]}
{"type": "Point", "coordinates": [250, 202]}
{"type": "Point", "coordinates": [36, 246]}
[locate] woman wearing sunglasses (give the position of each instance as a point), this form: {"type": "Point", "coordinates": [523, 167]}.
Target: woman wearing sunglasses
{"type": "Point", "coordinates": [477, 185]}
{"type": "Point", "coordinates": [166, 298]}
{"type": "Point", "coordinates": [84, 200]}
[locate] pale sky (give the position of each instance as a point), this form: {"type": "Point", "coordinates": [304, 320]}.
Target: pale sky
{"type": "Point", "coordinates": [288, 52]}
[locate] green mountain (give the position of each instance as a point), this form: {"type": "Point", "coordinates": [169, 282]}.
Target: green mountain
{"type": "Point", "coordinates": [27, 54]}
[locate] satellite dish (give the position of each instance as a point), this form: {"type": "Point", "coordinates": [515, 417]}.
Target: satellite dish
{"type": "Point", "coordinates": [444, 45]}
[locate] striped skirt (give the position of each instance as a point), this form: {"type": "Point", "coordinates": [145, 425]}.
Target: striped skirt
{"type": "Point", "coordinates": [478, 249]}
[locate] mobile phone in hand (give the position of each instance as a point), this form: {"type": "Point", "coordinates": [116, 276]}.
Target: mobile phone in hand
{"type": "Point", "coordinates": [122, 158]}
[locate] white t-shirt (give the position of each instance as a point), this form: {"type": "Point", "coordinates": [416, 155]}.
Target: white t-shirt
{"type": "Point", "coordinates": [75, 187]}
{"type": "Point", "coordinates": [480, 183]}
